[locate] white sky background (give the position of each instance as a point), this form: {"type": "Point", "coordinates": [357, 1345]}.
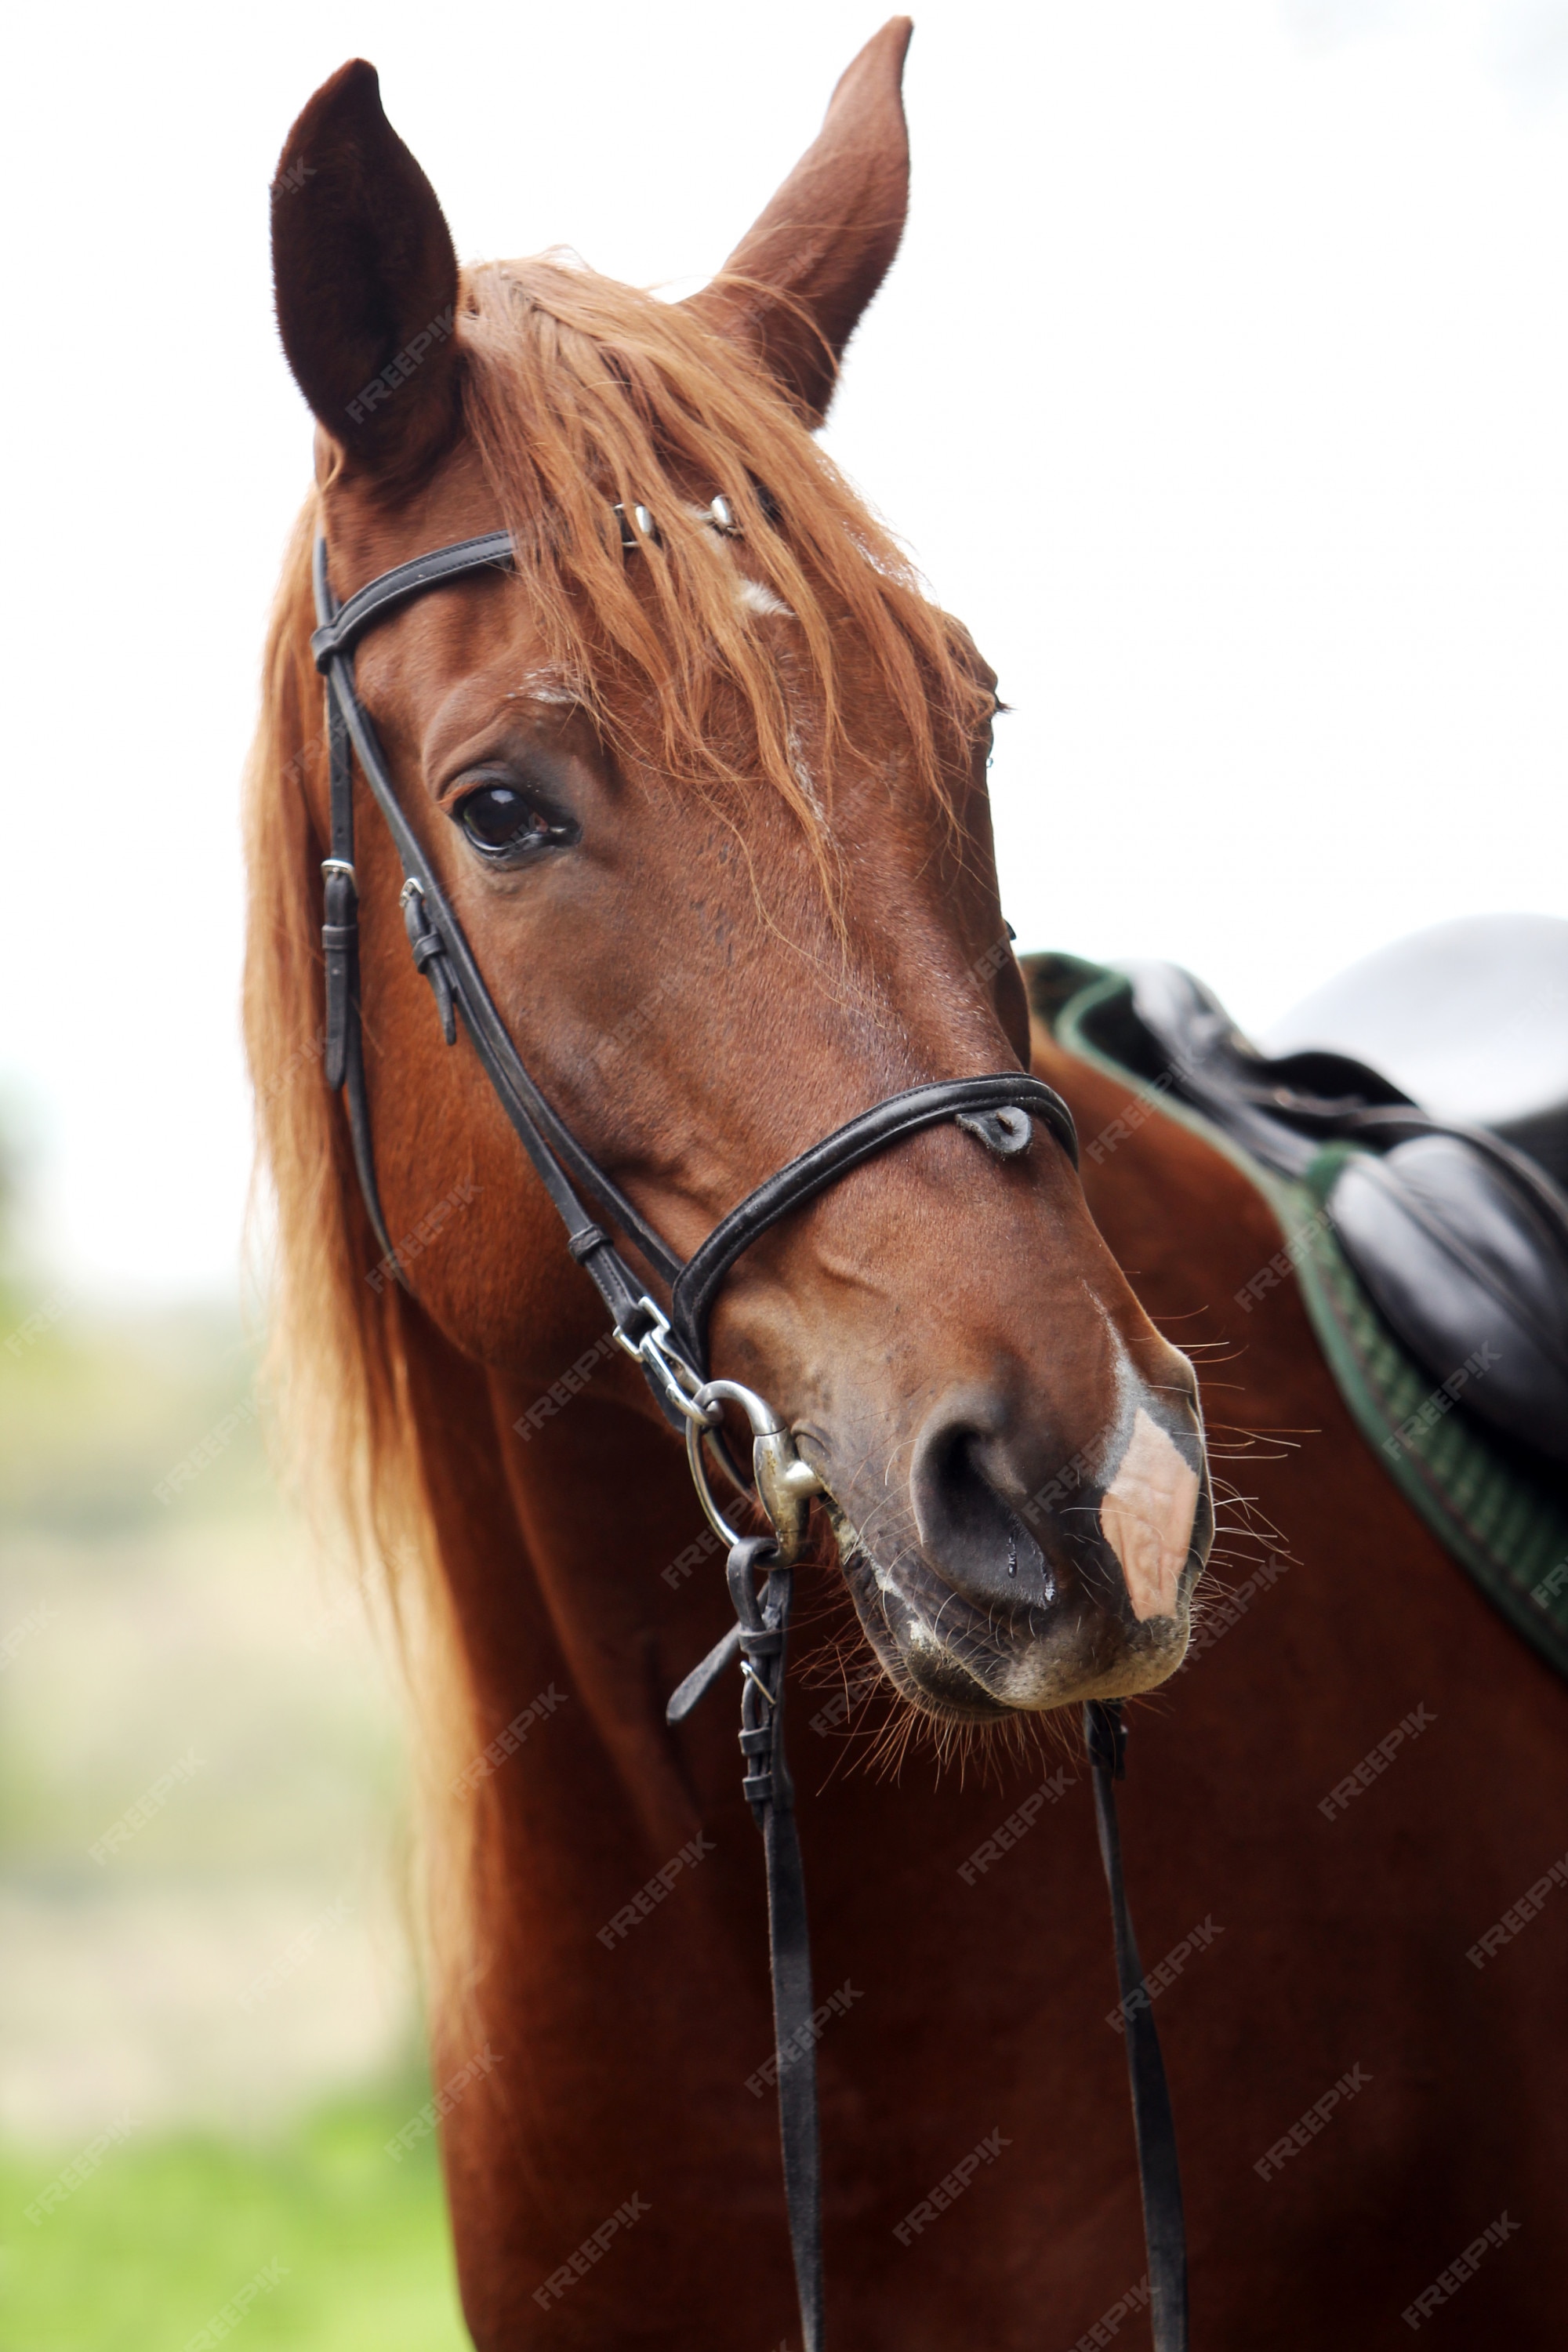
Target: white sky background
{"type": "Point", "coordinates": [1221, 385]}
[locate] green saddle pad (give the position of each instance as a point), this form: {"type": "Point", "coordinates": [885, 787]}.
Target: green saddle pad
{"type": "Point", "coordinates": [1504, 1522]}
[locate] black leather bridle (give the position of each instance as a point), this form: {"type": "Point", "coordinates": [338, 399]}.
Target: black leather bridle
{"type": "Point", "coordinates": [673, 1352]}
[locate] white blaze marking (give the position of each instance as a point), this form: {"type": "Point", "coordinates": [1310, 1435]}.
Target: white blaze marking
{"type": "Point", "coordinates": [1147, 1517]}
{"type": "Point", "coordinates": [755, 594]}
{"type": "Point", "coordinates": [758, 598]}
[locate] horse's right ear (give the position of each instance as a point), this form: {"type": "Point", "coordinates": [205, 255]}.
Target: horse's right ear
{"type": "Point", "coordinates": [367, 279]}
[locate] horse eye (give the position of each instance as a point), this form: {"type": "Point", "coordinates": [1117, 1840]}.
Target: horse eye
{"type": "Point", "coordinates": [497, 817]}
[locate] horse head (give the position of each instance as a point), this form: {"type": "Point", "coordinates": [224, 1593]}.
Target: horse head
{"type": "Point", "coordinates": [704, 780]}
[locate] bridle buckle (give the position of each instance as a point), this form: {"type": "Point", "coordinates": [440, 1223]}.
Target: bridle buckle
{"type": "Point", "coordinates": [671, 1376]}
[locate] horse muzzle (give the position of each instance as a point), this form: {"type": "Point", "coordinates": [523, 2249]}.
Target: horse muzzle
{"type": "Point", "coordinates": [1002, 1580]}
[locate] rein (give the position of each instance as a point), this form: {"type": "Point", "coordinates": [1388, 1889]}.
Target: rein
{"type": "Point", "coordinates": [672, 1349]}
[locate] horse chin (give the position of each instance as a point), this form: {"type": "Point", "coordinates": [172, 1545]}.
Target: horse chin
{"type": "Point", "coordinates": [959, 1665]}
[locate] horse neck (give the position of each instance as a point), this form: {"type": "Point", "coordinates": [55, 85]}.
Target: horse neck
{"type": "Point", "coordinates": [580, 1579]}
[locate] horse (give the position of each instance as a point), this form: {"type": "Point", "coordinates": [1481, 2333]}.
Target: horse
{"type": "Point", "coordinates": [704, 779]}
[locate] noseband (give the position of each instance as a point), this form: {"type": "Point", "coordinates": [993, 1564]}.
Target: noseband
{"type": "Point", "coordinates": [672, 1348]}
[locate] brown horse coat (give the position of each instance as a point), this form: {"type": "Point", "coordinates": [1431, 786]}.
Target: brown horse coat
{"type": "Point", "coordinates": [1335, 1948]}
{"type": "Point", "coordinates": [778, 904]}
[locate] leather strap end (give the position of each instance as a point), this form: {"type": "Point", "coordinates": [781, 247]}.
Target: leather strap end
{"type": "Point", "coordinates": [701, 1679]}
{"type": "Point", "coordinates": [335, 1055]}
{"type": "Point", "coordinates": [445, 998]}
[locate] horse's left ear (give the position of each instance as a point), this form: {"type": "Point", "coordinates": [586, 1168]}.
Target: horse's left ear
{"type": "Point", "coordinates": [795, 285]}
{"type": "Point", "coordinates": [366, 280]}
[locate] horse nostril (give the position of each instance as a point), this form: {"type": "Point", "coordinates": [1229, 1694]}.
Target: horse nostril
{"type": "Point", "coordinates": [966, 1527]}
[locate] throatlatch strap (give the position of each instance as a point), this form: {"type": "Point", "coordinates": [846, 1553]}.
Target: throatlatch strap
{"type": "Point", "coordinates": [339, 902]}
{"type": "Point", "coordinates": [1159, 2172]}
{"type": "Point", "coordinates": [343, 1059]}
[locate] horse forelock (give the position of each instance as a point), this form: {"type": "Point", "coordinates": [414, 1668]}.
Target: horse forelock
{"type": "Point", "coordinates": [581, 393]}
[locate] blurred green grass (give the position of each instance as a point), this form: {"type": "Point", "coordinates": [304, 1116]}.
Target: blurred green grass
{"type": "Point", "coordinates": [140, 1619]}
{"type": "Point", "coordinates": [162, 2235]}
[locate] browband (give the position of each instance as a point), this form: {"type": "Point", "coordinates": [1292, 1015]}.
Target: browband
{"type": "Point", "coordinates": [340, 633]}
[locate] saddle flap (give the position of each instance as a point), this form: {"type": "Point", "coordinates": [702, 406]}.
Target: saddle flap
{"type": "Point", "coordinates": [1460, 1239]}
{"type": "Point", "coordinates": [1464, 1268]}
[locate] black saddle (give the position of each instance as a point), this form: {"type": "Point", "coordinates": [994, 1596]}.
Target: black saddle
{"type": "Point", "coordinates": [1459, 1235]}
